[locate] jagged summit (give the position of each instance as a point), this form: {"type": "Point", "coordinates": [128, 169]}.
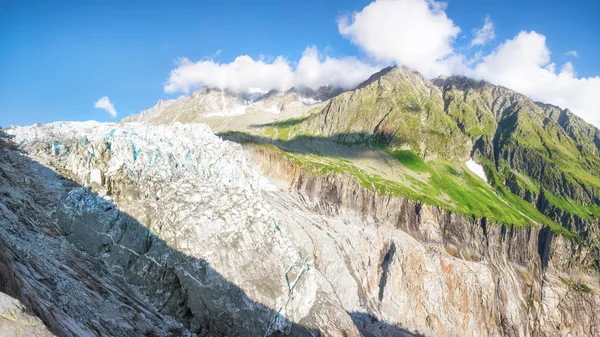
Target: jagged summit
{"type": "Point", "coordinates": [459, 81]}
{"type": "Point", "coordinates": [319, 95]}
{"type": "Point", "coordinates": [210, 102]}
{"type": "Point", "coordinates": [390, 73]}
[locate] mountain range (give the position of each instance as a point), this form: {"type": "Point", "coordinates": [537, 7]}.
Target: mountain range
{"type": "Point", "coordinates": [402, 207]}
{"type": "Point", "coordinates": [540, 160]}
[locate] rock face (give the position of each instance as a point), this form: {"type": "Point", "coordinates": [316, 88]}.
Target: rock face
{"type": "Point", "coordinates": [454, 276]}
{"type": "Point", "coordinates": [168, 230]}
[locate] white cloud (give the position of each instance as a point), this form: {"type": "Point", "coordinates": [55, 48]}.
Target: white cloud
{"type": "Point", "coordinates": [313, 71]}
{"type": "Point", "coordinates": [418, 34]}
{"type": "Point", "coordinates": [523, 64]}
{"type": "Point", "coordinates": [414, 33]}
{"type": "Point", "coordinates": [572, 53]}
{"type": "Point", "coordinates": [243, 74]}
{"type": "Point", "coordinates": [484, 34]}
{"type": "Point", "coordinates": [104, 103]}
{"type": "Point", "coordinates": [247, 75]}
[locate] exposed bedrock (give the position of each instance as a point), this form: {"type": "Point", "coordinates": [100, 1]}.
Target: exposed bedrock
{"type": "Point", "coordinates": [533, 287]}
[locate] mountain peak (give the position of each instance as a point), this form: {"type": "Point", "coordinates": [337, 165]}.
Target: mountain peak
{"type": "Point", "coordinates": [459, 82]}
{"type": "Point", "coordinates": [392, 72]}
{"type": "Point", "coordinates": [321, 94]}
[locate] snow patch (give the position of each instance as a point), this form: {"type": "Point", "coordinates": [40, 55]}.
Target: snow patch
{"type": "Point", "coordinates": [477, 169]}
{"type": "Point", "coordinates": [274, 110]}
{"type": "Point", "coordinates": [308, 100]}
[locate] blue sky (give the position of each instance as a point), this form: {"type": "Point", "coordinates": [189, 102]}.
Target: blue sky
{"type": "Point", "coordinates": [58, 58]}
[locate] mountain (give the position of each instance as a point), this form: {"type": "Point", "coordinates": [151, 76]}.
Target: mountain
{"type": "Point", "coordinates": [397, 107]}
{"type": "Point", "coordinates": [586, 135]}
{"type": "Point", "coordinates": [554, 148]}
{"type": "Point", "coordinates": [214, 105]}
{"type": "Point", "coordinates": [542, 150]}
{"type": "Point", "coordinates": [403, 207]}
{"type": "Point", "coordinates": [319, 95]}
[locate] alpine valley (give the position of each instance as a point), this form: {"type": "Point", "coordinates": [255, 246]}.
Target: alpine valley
{"type": "Point", "coordinates": [402, 207]}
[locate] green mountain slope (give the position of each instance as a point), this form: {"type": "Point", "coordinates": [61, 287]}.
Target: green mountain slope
{"type": "Point", "coordinates": [528, 141]}
{"type": "Point", "coordinates": [401, 134]}
{"type": "Point", "coordinates": [397, 107]}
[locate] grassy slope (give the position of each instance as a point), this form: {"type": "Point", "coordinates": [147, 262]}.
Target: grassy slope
{"type": "Point", "coordinates": [401, 109]}
{"type": "Point", "coordinates": [446, 184]}
{"type": "Point", "coordinates": [542, 149]}
{"type": "Point", "coordinates": [474, 197]}
{"type": "Point", "coordinates": [555, 149]}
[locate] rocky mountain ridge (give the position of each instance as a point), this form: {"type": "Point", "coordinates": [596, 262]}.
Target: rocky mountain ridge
{"type": "Point", "coordinates": [208, 102]}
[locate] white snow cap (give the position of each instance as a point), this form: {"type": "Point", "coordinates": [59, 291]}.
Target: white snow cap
{"type": "Point", "coordinates": [477, 169]}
